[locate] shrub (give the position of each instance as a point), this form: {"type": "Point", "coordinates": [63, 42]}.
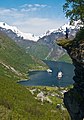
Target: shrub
{"type": "Point", "coordinates": [80, 34]}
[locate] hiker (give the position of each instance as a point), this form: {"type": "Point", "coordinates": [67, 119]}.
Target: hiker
{"type": "Point", "coordinates": [67, 31]}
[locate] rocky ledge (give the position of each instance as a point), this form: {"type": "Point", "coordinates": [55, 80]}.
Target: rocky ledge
{"type": "Point", "coordinates": [74, 98]}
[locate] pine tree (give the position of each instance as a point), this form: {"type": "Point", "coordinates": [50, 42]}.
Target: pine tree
{"type": "Point", "coordinates": [74, 9]}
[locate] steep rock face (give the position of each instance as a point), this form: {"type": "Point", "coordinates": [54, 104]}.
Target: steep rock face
{"type": "Point", "coordinates": [74, 98]}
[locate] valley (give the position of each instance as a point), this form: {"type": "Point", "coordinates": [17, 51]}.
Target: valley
{"type": "Point", "coordinates": [41, 46]}
{"type": "Point", "coordinates": [16, 101]}
{"type": "Point", "coordinates": [20, 56]}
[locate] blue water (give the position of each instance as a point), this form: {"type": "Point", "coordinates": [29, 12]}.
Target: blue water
{"type": "Point", "coordinates": [43, 78]}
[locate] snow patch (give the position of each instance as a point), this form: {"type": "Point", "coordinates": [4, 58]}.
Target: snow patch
{"type": "Point", "coordinates": [27, 36]}
{"type": "Point", "coordinates": [75, 25]}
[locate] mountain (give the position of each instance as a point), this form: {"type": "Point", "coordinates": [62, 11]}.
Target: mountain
{"type": "Point", "coordinates": [55, 34]}
{"type": "Point", "coordinates": [43, 47]}
{"type": "Point", "coordinates": [28, 36]}
{"type": "Point", "coordinates": [15, 58]}
{"type": "Point", "coordinates": [41, 51]}
{"type": "Point", "coordinates": [50, 37]}
{"type": "Point", "coordinates": [73, 28]}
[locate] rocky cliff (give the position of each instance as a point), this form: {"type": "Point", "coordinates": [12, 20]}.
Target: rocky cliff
{"type": "Point", "coordinates": [74, 98]}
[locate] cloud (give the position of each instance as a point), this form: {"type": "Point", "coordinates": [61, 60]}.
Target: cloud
{"type": "Point", "coordinates": [10, 12]}
{"type": "Point", "coordinates": [39, 25]}
{"type": "Point", "coordinates": [24, 8]}
{"type": "Point", "coordinates": [27, 18]}
{"type": "Point", "coordinates": [32, 7]}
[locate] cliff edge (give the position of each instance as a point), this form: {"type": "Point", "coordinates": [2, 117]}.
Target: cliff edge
{"type": "Point", "coordinates": [74, 98]}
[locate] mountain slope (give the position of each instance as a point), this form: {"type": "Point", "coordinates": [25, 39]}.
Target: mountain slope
{"type": "Point", "coordinates": [15, 58]}
{"type": "Point", "coordinates": [65, 58]}
{"type": "Point", "coordinates": [16, 101]}
{"type": "Point", "coordinates": [43, 47]}
{"type": "Point", "coordinates": [51, 36]}
{"type": "Point", "coordinates": [27, 36]}
{"type": "Point", "coordinates": [38, 50]}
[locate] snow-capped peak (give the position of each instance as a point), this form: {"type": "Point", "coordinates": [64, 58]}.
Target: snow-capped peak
{"type": "Point", "coordinates": [74, 25]}
{"type": "Point", "coordinates": [48, 32]}
{"type": "Point", "coordinates": [27, 36]}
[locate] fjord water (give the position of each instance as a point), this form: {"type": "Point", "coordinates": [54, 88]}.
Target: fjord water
{"type": "Point", "coordinates": [44, 78]}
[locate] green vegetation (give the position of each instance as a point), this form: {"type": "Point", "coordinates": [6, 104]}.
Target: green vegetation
{"type": "Point", "coordinates": [16, 58]}
{"type": "Point", "coordinates": [64, 42]}
{"type": "Point", "coordinates": [74, 9]}
{"type": "Point", "coordinates": [16, 101]}
{"type": "Point", "coordinates": [80, 35]}
{"type": "Point", "coordinates": [39, 51]}
{"type": "Point", "coordinates": [65, 58]}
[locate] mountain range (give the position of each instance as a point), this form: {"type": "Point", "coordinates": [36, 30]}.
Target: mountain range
{"type": "Point", "coordinates": [16, 101]}
{"type": "Point", "coordinates": [14, 29]}
{"type": "Point", "coordinates": [44, 46]}
{"type": "Point", "coordinates": [32, 37]}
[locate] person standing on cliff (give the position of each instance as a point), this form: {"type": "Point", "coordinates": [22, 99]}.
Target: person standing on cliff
{"type": "Point", "coordinates": [67, 32]}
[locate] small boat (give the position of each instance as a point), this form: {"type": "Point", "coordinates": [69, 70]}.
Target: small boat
{"type": "Point", "coordinates": [60, 75]}
{"type": "Point", "coordinates": [49, 70]}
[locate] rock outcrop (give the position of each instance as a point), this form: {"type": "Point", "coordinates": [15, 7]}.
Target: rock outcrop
{"type": "Point", "coordinates": [74, 98]}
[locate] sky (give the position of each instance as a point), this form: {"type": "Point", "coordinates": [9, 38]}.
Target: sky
{"type": "Point", "coordinates": [33, 16]}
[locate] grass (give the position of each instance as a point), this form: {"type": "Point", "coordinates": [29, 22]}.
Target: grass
{"type": "Point", "coordinates": [17, 103]}
{"type": "Point", "coordinates": [65, 58]}
{"type": "Point", "coordinates": [39, 51]}
{"type": "Point", "coordinates": [64, 43]}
